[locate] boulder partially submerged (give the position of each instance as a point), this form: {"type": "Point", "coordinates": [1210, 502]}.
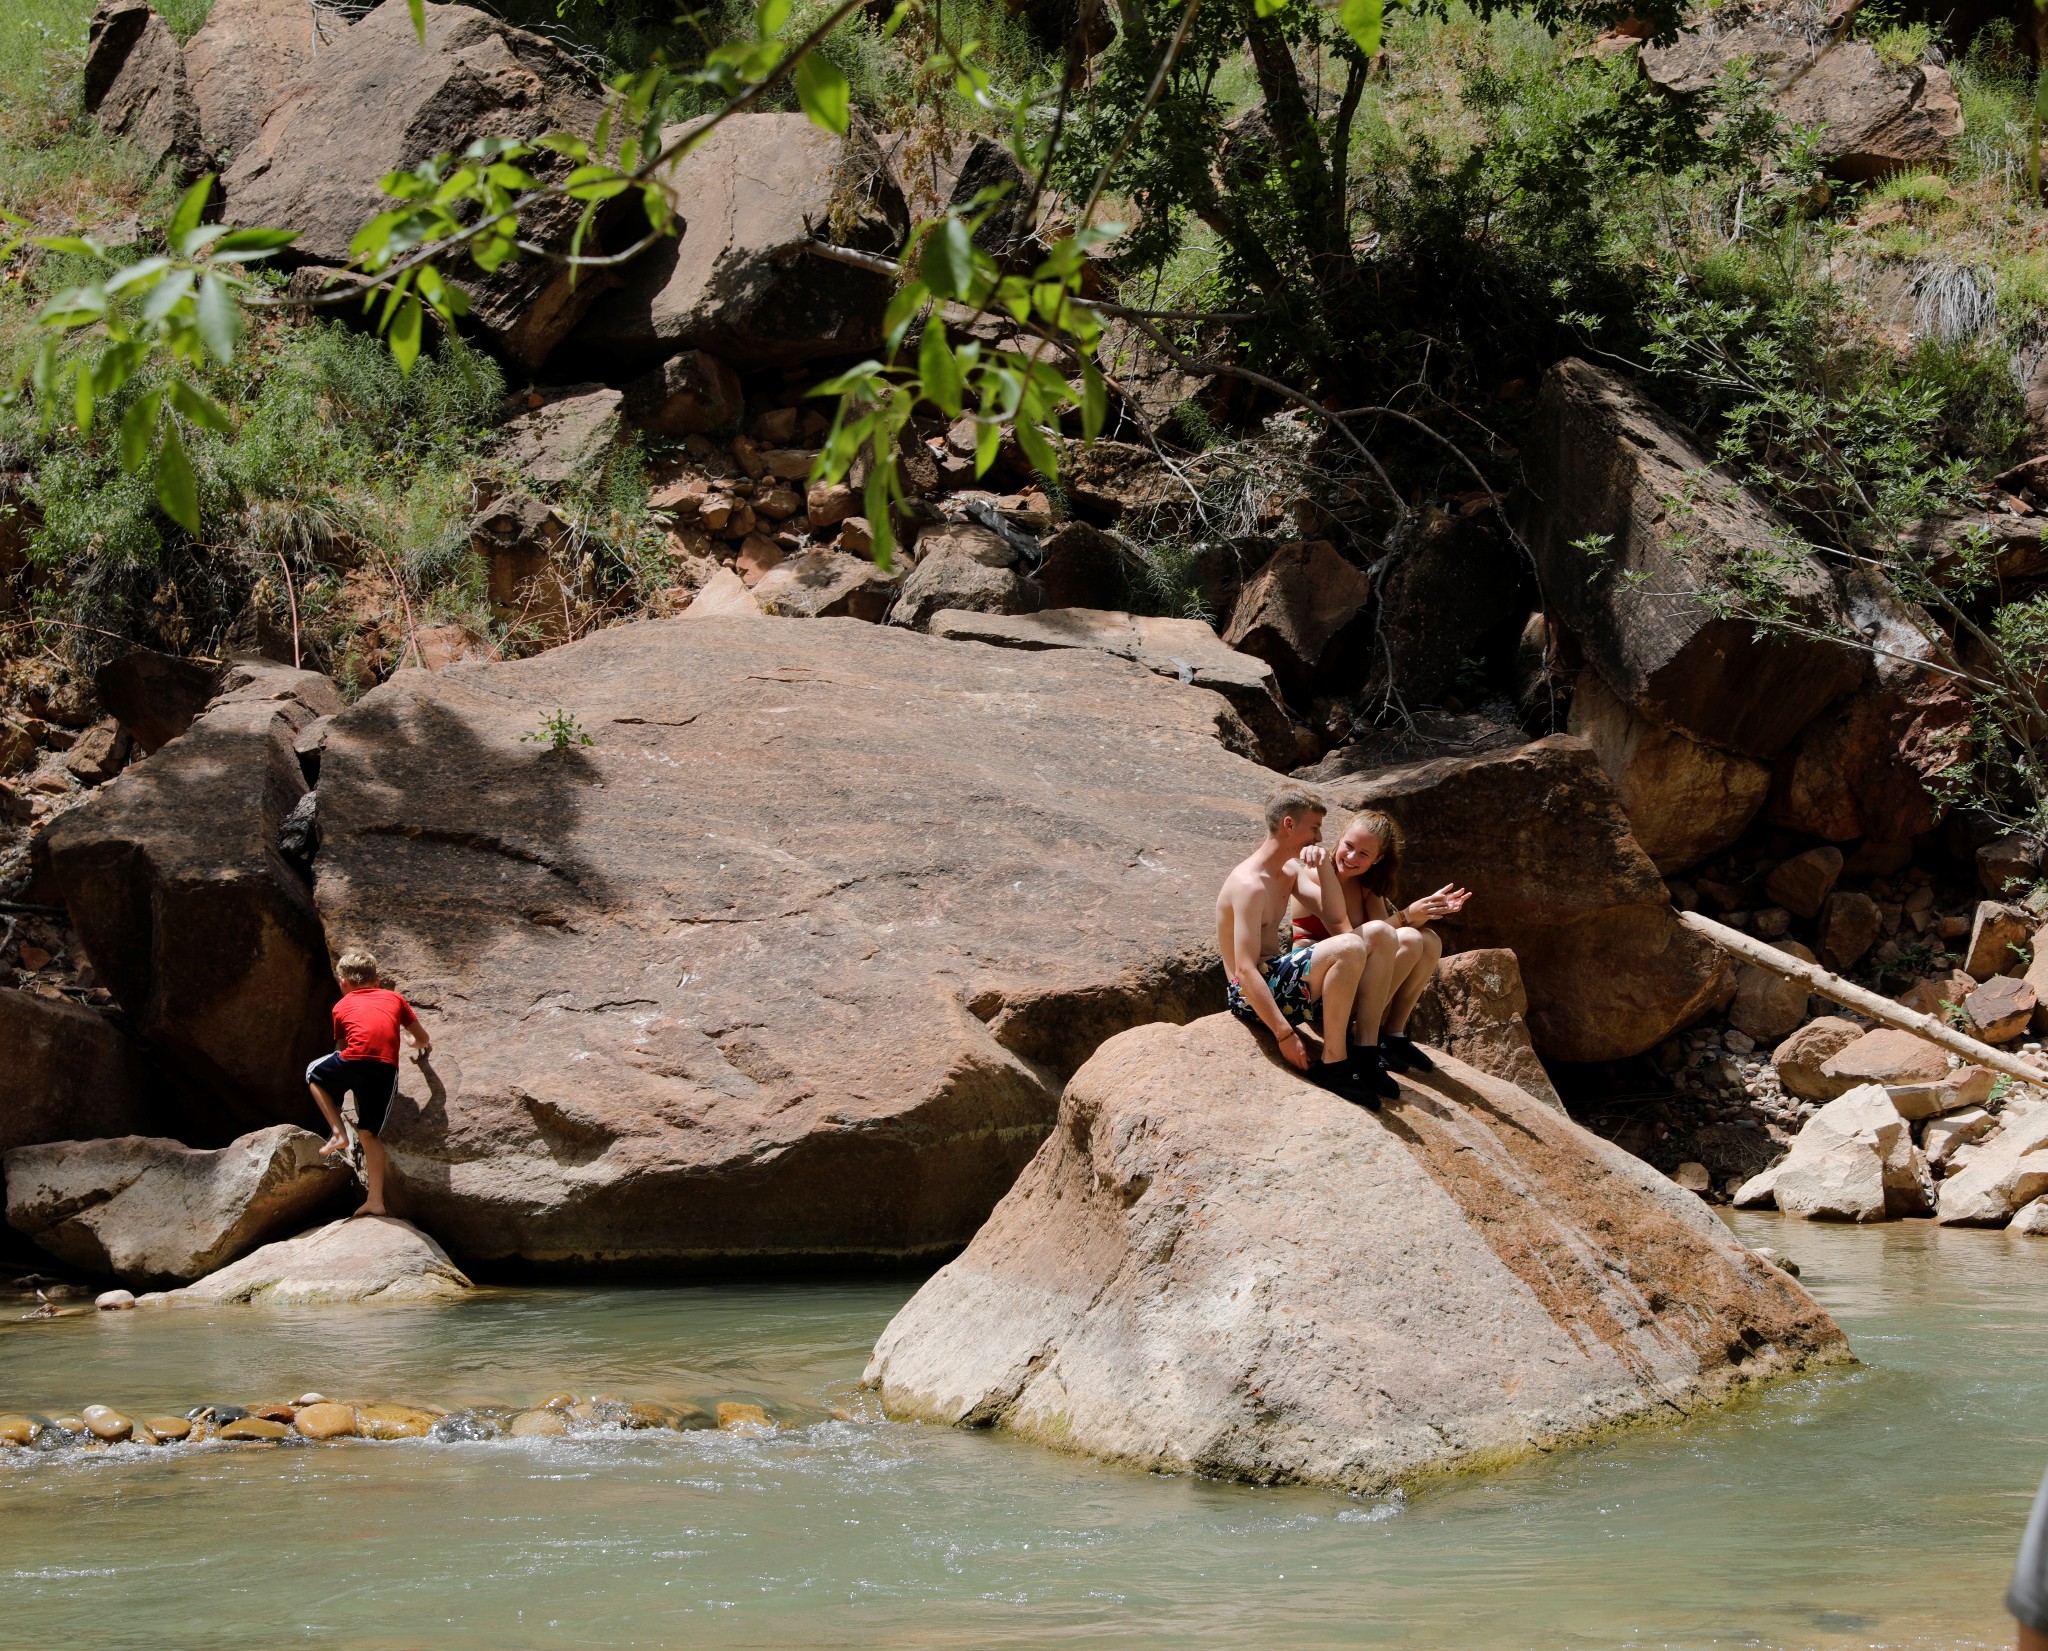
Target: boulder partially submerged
{"type": "Point", "coordinates": [152, 1211]}
{"type": "Point", "coordinates": [788, 964]}
{"type": "Point", "coordinates": [363, 1259]}
{"type": "Point", "coordinates": [1212, 1267]}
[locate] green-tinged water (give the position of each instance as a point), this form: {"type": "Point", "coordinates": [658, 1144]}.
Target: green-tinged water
{"type": "Point", "coordinates": [1879, 1507]}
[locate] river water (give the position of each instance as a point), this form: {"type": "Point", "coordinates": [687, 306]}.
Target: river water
{"type": "Point", "coordinates": [1875, 1508]}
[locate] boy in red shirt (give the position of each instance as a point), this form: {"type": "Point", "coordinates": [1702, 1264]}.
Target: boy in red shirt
{"type": "Point", "coordinates": [365, 1060]}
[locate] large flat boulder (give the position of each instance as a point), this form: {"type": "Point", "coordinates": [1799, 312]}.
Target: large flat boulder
{"type": "Point", "coordinates": [151, 1211]}
{"type": "Point", "coordinates": [789, 963]}
{"type": "Point", "coordinates": [738, 282]}
{"type": "Point", "coordinates": [1212, 1267]}
{"type": "Point", "coordinates": [1538, 835]}
{"type": "Point", "coordinates": [192, 916]}
{"type": "Point", "coordinates": [361, 1259]}
{"type": "Point", "coordinates": [1632, 535]}
{"type": "Point", "coordinates": [380, 103]}
{"type": "Point", "coordinates": [1187, 650]}
{"type": "Point", "coordinates": [71, 1075]}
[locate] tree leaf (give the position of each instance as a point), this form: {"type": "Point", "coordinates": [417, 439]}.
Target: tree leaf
{"type": "Point", "coordinates": [219, 319]}
{"type": "Point", "coordinates": [418, 9]}
{"type": "Point", "coordinates": [947, 263]}
{"type": "Point", "coordinates": [405, 334]}
{"type": "Point", "coordinates": [1094, 400]}
{"type": "Point", "coordinates": [176, 490]}
{"type": "Point", "coordinates": [199, 407]}
{"type": "Point", "coordinates": [988, 441]}
{"type": "Point", "coordinates": [823, 92]}
{"type": "Point", "coordinates": [1361, 20]}
{"type": "Point", "coordinates": [937, 368]}
{"type": "Point", "coordinates": [186, 218]}
{"type": "Point", "coordinates": [910, 298]}
{"type": "Point", "coordinates": [138, 425]}
{"type": "Point", "coordinates": [1036, 448]}
{"type": "Point", "coordinates": [875, 502]}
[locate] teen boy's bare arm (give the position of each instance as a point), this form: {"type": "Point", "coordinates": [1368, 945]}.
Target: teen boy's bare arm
{"type": "Point", "coordinates": [1246, 920]}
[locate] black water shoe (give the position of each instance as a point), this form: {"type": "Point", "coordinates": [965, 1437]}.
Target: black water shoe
{"type": "Point", "coordinates": [1402, 1054]}
{"type": "Point", "coordinates": [1370, 1077]}
{"type": "Point", "coordinates": [1341, 1080]}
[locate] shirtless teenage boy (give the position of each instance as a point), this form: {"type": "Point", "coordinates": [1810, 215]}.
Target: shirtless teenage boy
{"type": "Point", "coordinates": [1350, 890]}
{"type": "Point", "coordinates": [1280, 987]}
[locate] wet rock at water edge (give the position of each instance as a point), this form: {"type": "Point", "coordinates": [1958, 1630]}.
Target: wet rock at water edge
{"type": "Point", "coordinates": [466, 1427]}
{"type": "Point", "coordinates": [1188, 1161]}
{"type": "Point", "coordinates": [735, 1417]}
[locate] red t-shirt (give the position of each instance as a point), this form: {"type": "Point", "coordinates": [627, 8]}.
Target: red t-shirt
{"type": "Point", "coordinates": [366, 1023]}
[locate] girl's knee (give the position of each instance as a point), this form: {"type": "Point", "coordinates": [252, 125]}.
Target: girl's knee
{"type": "Point", "coordinates": [1377, 936]}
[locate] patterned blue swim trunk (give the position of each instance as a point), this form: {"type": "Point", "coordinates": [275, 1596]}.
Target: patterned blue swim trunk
{"type": "Point", "coordinates": [1286, 977]}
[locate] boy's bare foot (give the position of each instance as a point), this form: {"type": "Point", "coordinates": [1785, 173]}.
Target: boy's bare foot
{"type": "Point", "coordinates": [369, 1209]}
{"type": "Point", "coordinates": [333, 1144]}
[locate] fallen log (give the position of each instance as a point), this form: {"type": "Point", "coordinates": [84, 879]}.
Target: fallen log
{"type": "Point", "coordinates": [1865, 1002]}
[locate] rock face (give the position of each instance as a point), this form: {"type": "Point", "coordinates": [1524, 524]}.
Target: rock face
{"type": "Point", "coordinates": [1886, 1056]}
{"type": "Point", "coordinates": [135, 83]}
{"type": "Point", "coordinates": [1538, 835]}
{"type": "Point", "coordinates": [1608, 465]}
{"type": "Point", "coordinates": [1209, 1267]}
{"type": "Point", "coordinates": [156, 696]}
{"type": "Point", "coordinates": [1800, 1061]}
{"type": "Point", "coordinates": [826, 584]}
{"type": "Point", "coordinates": [246, 57]}
{"type": "Point", "coordinates": [1295, 607]}
{"type": "Point", "coordinates": [71, 1075]}
{"type": "Point", "coordinates": [367, 1259]}
{"type": "Point", "coordinates": [691, 394]}
{"type": "Point", "coordinates": [1455, 594]}
{"type": "Point", "coordinates": [1767, 1005]}
{"type": "Point", "coordinates": [964, 566]}
{"type": "Point", "coordinates": [737, 282]}
{"type": "Point", "coordinates": [1478, 1009]}
{"type": "Point", "coordinates": [1685, 799]}
{"type": "Point", "coordinates": [1874, 119]}
{"type": "Point", "coordinates": [1853, 1161]}
{"type": "Point", "coordinates": [150, 1211]}
{"type": "Point", "coordinates": [567, 441]}
{"type": "Point", "coordinates": [1185, 649]}
{"type": "Point", "coordinates": [205, 933]}
{"type": "Point", "coordinates": [787, 963]}
{"type": "Point", "coordinates": [2008, 1171]}
{"type": "Point", "coordinates": [383, 103]}
{"type": "Point", "coordinates": [1863, 766]}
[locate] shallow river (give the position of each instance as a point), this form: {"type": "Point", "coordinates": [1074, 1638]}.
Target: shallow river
{"type": "Point", "coordinates": [1876, 1508]}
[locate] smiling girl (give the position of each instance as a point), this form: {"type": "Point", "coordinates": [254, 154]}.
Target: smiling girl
{"type": "Point", "coordinates": [1349, 889]}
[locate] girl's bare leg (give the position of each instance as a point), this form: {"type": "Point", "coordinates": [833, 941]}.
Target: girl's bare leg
{"type": "Point", "coordinates": [1377, 988]}
{"type": "Point", "coordinates": [1416, 954]}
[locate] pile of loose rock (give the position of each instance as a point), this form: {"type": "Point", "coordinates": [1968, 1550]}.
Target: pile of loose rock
{"type": "Point", "coordinates": [314, 1418]}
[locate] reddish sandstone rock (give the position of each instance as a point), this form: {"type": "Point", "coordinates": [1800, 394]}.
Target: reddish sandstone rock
{"type": "Point", "coordinates": [1685, 799]}
{"type": "Point", "coordinates": [1478, 1009]}
{"type": "Point", "coordinates": [1803, 882]}
{"type": "Point", "coordinates": [382, 102]}
{"type": "Point", "coordinates": [1800, 1061]}
{"type": "Point", "coordinates": [1294, 608]}
{"type": "Point", "coordinates": [1212, 1268]}
{"type": "Point", "coordinates": [249, 56]}
{"type": "Point", "coordinates": [790, 961]}
{"type": "Point", "coordinates": [71, 1075]}
{"type": "Point", "coordinates": [1887, 1056]}
{"type": "Point", "coordinates": [2001, 1009]}
{"type": "Point", "coordinates": [1635, 528]}
{"type": "Point", "coordinates": [135, 84]}
{"type": "Point", "coordinates": [1536, 832]}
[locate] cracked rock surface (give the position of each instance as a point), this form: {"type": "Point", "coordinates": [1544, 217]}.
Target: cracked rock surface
{"type": "Point", "coordinates": [1213, 1267]}
{"type": "Point", "coordinates": [791, 961]}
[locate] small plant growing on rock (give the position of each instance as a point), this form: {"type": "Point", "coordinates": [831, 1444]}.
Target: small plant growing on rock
{"type": "Point", "coordinates": [558, 731]}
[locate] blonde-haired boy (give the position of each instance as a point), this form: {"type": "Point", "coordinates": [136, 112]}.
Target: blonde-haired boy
{"type": "Point", "coordinates": [367, 1021]}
